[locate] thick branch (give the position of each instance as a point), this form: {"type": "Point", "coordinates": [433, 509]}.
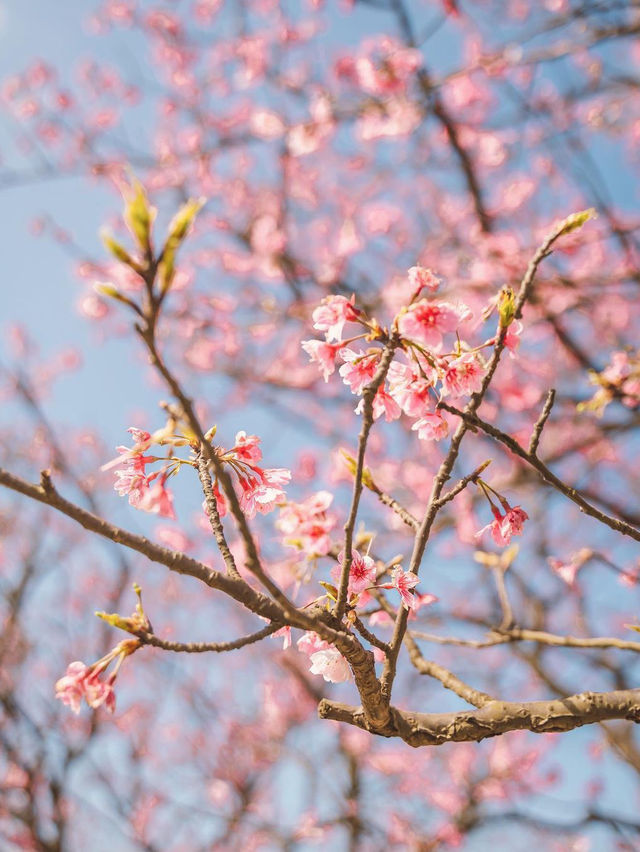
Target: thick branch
{"type": "Point", "coordinates": [496, 717]}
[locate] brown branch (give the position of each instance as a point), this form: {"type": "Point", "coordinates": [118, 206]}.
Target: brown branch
{"type": "Point", "coordinates": [540, 423]}
{"type": "Point", "coordinates": [253, 560]}
{"type": "Point", "coordinates": [446, 467]}
{"type": "Point", "coordinates": [213, 514]}
{"type": "Point", "coordinates": [449, 680]}
{"type": "Point", "coordinates": [175, 561]}
{"type": "Point", "coordinates": [387, 500]}
{"type": "Point", "coordinates": [496, 717]}
{"type": "Point", "coordinates": [435, 670]}
{"type": "Point", "coordinates": [368, 396]}
{"type": "Point", "coordinates": [371, 638]}
{"type": "Point", "coordinates": [516, 634]}
{"type": "Point", "coordinates": [361, 661]}
{"type": "Point", "coordinates": [573, 494]}
{"type": "Point", "coordinates": [204, 647]}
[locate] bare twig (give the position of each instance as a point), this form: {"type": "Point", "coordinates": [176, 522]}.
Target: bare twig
{"type": "Point", "coordinates": [213, 514]}
{"type": "Point", "coordinates": [540, 423]}
{"type": "Point", "coordinates": [516, 634]}
{"type": "Point", "coordinates": [205, 647]}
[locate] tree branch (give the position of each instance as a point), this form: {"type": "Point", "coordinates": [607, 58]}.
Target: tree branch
{"type": "Point", "coordinates": [496, 717]}
{"type": "Point", "coordinates": [204, 647]}
{"type": "Point", "coordinates": [473, 420]}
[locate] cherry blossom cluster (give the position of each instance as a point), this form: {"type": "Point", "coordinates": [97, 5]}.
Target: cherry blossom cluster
{"type": "Point", "coordinates": [260, 488]}
{"type": "Point", "coordinates": [146, 491]}
{"type": "Point", "coordinates": [505, 523]}
{"type": "Point", "coordinates": [83, 682]}
{"type": "Point", "coordinates": [307, 526]}
{"type": "Point", "coordinates": [429, 371]}
{"type": "Point", "coordinates": [363, 578]}
{"type": "Point", "coordinates": [325, 658]}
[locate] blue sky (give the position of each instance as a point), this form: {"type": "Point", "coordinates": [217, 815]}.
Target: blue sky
{"type": "Point", "coordinates": [38, 288]}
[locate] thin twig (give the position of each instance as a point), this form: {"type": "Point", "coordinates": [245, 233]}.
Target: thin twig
{"type": "Point", "coordinates": [386, 499]}
{"type": "Point", "coordinates": [211, 505]}
{"type": "Point", "coordinates": [498, 572]}
{"type": "Point", "coordinates": [549, 477]}
{"type": "Point", "coordinates": [368, 396]}
{"type": "Point", "coordinates": [462, 484]}
{"type": "Point", "coordinates": [205, 647]}
{"type": "Point", "coordinates": [446, 467]}
{"type": "Point", "coordinates": [540, 423]}
{"type": "Point", "coordinates": [516, 634]}
{"type": "Point", "coordinates": [371, 638]}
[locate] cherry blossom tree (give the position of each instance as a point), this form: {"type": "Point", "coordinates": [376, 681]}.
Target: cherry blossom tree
{"type": "Point", "coordinates": [375, 265]}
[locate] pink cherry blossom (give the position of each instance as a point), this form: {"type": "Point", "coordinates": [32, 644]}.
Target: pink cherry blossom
{"type": "Point", "coordinates": [131, 479]}
{"type": "Point", "coordinates": [331, 665]}
{"type": "Point", "coordinates": [70, 687]}
{"type": "Point", "coordinates": [359, 369]}
{"type": "Point", "coordinates": [504, 526]}
{"type": "Point", "coordinates": [285, 633]}
{"type": "Point", "coordinates": [421, 278]}
{"type": "Point", "coordinates": [247, 447]}
{"type": "Point", "coordinates": [263, 492]}
{"type": "Point", "coordinates": [512, 337]}
{"type": "Point", "coordinates": [423, 600]}
{"type": "Point", "coordinates": [431, 427]}
{"type": "Point", "coordinates": [463, 376]}
{"type": "Point", "coordinates": [381, 618]}
{"type": "Point", "coordinates": [362, 572]}
{"type": "Point", "coordinates": [566, 571]}
{"type": "Point", "coordinates": [332, 314]}
{"type": "Point", "coordinates": [414, 396]}
{"type": "Point", "coordinates": [495, 527]}
{"type": "Point", "coordinates": [82, 681]}
{"type": "Point", "coordinates": [158, 500]}
{"type": "Point", "coordinates": [323, 354]}
{"type": "Point", "coordinates": [97, 692]}
{"type": "Point", "coordinates": [221, 501]}
{"type": "Point", "coordinates": [514, 521]}
{"type": "Point", "coordinates": [404, 582]}
{"type": "Point", "coordinates": [426, 322]}
{"type": "Point", "coordinates": [383, 403]}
